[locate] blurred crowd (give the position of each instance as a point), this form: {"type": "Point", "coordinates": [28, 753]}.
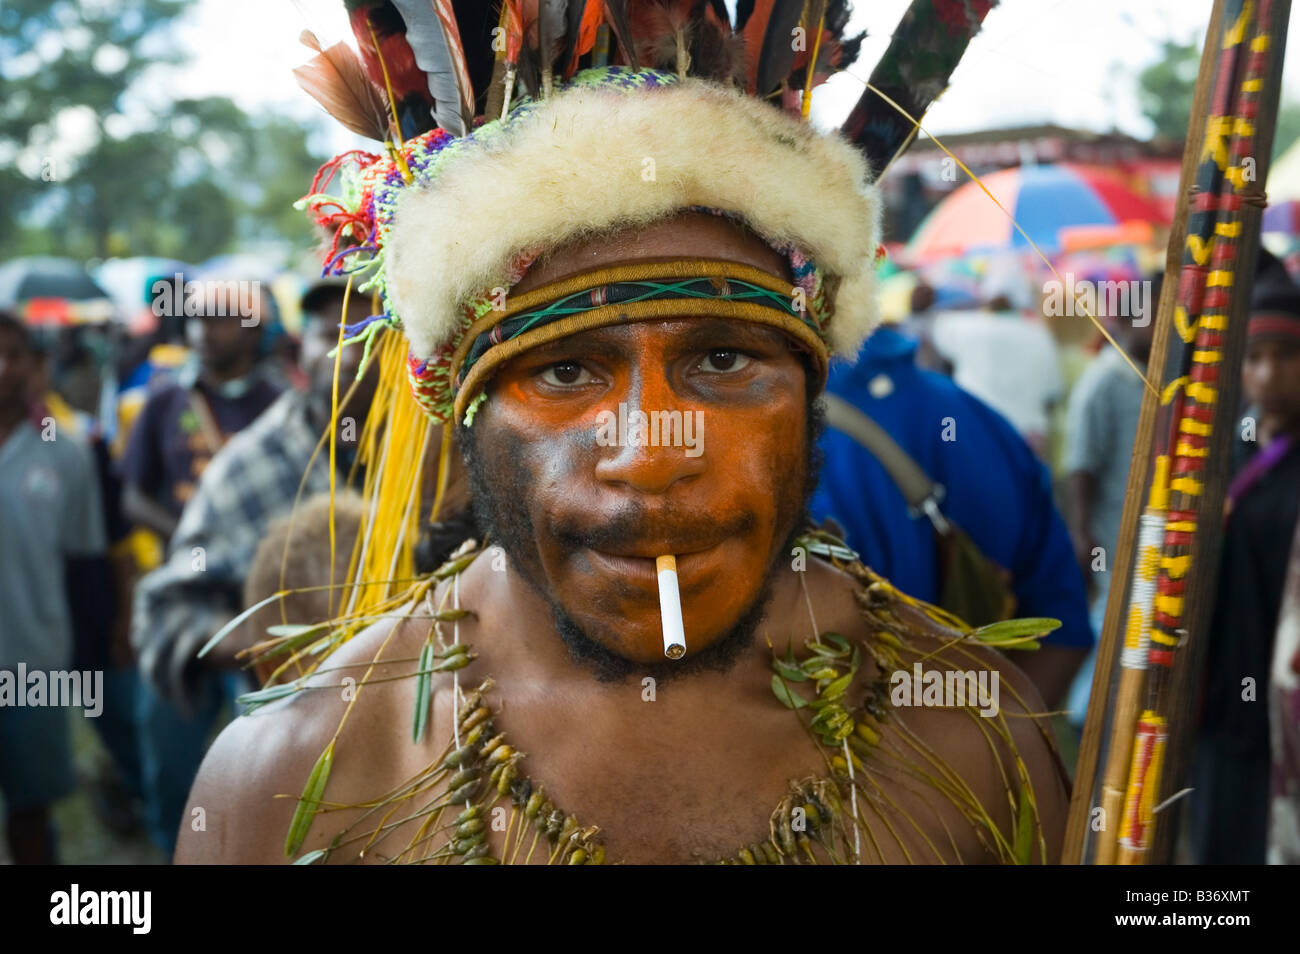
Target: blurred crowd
{"type": "Point", "coordinates": [140, 467]}
{"type": "Point", "coordinates": [977, 454]}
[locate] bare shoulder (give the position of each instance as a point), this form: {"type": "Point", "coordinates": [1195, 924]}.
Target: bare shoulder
{"type": "Point", "coordinates": [999, 744]}
{"type": "Point", "coordinates": [961, 706]}
{"type": "Point", "coordinates": [244, 798]}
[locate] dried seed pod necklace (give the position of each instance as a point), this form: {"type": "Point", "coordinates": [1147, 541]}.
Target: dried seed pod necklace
{"type": "Point", "coordinates": [867, 747]}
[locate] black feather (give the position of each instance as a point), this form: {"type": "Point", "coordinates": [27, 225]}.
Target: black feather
{"type": "Point", "coordinates": [838, 13]}
{"type": "Point", "coordinates": [476, 20]}
{"type": "Point", "coordinates": [744, 9]}
{"type": "Point", "coordinates": [720, 11]}
{"type": "Point", "coordinates": [777, 54]}
{"type": "Point", "coordinates": [530, 70]}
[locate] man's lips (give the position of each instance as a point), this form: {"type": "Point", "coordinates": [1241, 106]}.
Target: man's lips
{"type": "Point", "coordinates": [641, 569]}
{"type": "Point", "coordinates": [651, 551]}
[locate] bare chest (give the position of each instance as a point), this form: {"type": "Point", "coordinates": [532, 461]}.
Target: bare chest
{"type": "Point", "coordinates": [636, 784]}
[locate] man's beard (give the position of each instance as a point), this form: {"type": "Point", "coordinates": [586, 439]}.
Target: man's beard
{"type": "Point", "coordinates": [500, 512]}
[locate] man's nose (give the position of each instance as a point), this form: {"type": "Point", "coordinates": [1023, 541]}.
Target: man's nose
{"type": "Point", "coordinates": [650, 453]}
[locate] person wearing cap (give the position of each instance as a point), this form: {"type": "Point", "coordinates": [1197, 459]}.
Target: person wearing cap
{"type": "Point", "coordinates": [1229, 806]}
{"type": "Point", "coordinates": [218, 392]}
{"type": "Point", "coordinates": [250, 481]}
{"type": "Point", "coordinates": [648, 246]}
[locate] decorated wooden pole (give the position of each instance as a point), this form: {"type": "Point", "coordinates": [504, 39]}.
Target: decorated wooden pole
{"type": "Point", "coordinates": [1204, 285]}
{"type": "Point", "coordinates": [1170, 598]}
{"type": "Point", "coordinates": [1094, 820]}
{"type": "Point", "coordinates": [926, 46]}
{"type": "Point", "coordinates": [1248, 157]}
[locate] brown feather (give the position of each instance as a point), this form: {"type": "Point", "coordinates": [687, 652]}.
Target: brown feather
{"type": "Point", "coordinates": [718, 54]}
{"type": "Point", "coordinates": [337, 80]}
{"type": "Point", "coordinates": [664, 30]}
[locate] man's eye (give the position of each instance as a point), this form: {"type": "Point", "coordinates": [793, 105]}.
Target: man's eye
{"type": "Point", "coordinates": [566, 374]}
{"type": "Point", "coordinates": [724, 360]}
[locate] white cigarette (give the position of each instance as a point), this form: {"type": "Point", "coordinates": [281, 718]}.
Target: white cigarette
{"type": "Point", "coordinates": [670, 607]}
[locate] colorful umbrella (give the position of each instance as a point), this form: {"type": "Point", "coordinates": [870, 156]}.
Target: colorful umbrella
{"type": "Point", "coordinates": [1283, 217]}
{"type": "Point", "coordinates": [52, 291]}
{"type": "Point", "coordinates": [1045, 200]}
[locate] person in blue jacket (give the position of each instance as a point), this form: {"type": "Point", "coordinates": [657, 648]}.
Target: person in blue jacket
{"type": "Point", "coordinates": [996, 490]}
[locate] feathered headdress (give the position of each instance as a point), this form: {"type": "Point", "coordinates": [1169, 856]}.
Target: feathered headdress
{"type": "Point", "coordinates": [516, 127]}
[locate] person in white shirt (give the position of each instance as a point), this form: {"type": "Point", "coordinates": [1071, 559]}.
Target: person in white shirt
{"type": "Point", "coordinates": [1007, 360]}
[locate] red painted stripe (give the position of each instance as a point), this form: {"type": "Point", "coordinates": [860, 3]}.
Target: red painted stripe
{"type": "Point", "coordinates": [1287, 325]}
{"type": "Point", "coordinates": [1161, 657]}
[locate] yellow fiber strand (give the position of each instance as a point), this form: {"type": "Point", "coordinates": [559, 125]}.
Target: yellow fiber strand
{"type": "Point", "coordinates": [805, 107]}
{"type": "Point", "coordinates": [392, 449]}
{"type": "Point", "coordinates": [392, 105]}
{"type": "Point", "coordinates": [334, 428]}
{"type": "Point", "coordinates": [444, 467]}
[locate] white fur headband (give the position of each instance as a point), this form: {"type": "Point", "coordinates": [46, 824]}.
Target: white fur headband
{"type": "Point", "coordinates": [591, 159]}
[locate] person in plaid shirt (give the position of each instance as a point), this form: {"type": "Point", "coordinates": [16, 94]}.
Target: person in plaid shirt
{"type": "Point", "coordinates": [253, 479]}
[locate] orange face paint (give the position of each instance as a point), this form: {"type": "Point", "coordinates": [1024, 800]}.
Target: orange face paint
{"type": "Point", "coordinates": [598, 513]}
{"type": "Point", "coordinates": [584, 516]}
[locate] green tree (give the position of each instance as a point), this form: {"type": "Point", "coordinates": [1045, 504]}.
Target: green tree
{"type": "Point", "coordinates": [1288, 127]}
{"type": "Point", "coordinates": [1165, 88]}
{"type": "Point", "coordinates": [190, 181]}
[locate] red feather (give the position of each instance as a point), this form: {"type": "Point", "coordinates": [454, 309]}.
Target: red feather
{"type": "Point", "coordinates": [593, 15]}
{"type": "Point", "coordinates": [512, 22]}
{"type": "Point", "coordinates": [768, 53]}
{"type": "Point", "coordinates": [405, 77]}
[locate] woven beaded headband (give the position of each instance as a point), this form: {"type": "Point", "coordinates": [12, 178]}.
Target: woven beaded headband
{"type": "Point", "coordinates": [625, 293]}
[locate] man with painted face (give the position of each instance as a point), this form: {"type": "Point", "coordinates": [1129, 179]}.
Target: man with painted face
{"type": "Point", "coordinates": [522, 708]}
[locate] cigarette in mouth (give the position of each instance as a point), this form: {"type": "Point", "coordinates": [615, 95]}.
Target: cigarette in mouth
{"type": "Point", "coordinates": [670, 607]}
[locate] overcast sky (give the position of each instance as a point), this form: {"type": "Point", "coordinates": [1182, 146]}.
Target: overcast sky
{"type": "Point", "coordinates": [1071, 62]}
